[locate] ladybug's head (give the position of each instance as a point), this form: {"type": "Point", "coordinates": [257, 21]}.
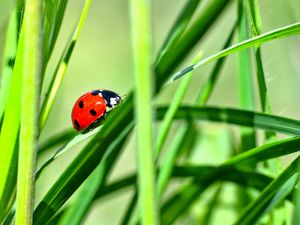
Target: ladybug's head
{"type": "Point", "coordinates": [111, 98]}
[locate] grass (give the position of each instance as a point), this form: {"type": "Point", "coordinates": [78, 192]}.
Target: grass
{"type": "Point", "coordinates": [183, 164]}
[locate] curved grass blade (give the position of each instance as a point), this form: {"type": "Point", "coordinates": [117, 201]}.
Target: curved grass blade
{"type": "Point", "coordinates": [178, 28]}
{"type": "Point", "coordinates": [130, 209]}
{"type": "Point", "coordinates": [61, 68]}
{"type": "Point", "coordinates": [77, 211]}
{"type": "Point", "coordinates": [290, 30]}
{"type": "Point", "coordinates": [259, 207]}
{"type": "Point", "coordinates": [8, 61]}
{"type": "Point", "coordinates": [236, 116]}
{"type": "Point", "coordinates": [75, 140]}
{"type": "Point", "coordinates": [207, 87]}
{"type": "Point", "coordinates": [28, 125]}
{"type": "Point", "coordinates": [56, 139]}
{"type": "Point", "coordinates": [207, 16]}
{"type": "Point", "coordinates": [140, 17]}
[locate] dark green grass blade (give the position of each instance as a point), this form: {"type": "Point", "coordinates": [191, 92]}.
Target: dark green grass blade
{"type": "Point", "coordinates": [283, 32]}
{"type": "Point", "coordinates": [61, 68]}
{"type": "Point", "coordinates": [178, 28]}
{"type": "Point", "coordinates": [59, 138]}
{"type": "Point", "coordinates": [79, 208]}
{"type": "Point", "coordinates": [257, 208]}
{"type": "Point", "coordinates": [8, 61]}
{"type": "Point", "coordinates": [244, 72]}
{"type": "Point", "coordinates": [130, 209]}
{"type": "Point", "coordinates": [87, 161]}
{"type": "Point", "coordinates": [237, 117]}
{"type": "Point", "coordinates": [212, 206]}
{"type": "Point", "coordinates": [296, 215]}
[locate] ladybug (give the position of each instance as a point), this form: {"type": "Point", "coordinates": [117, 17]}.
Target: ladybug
{"type": "Point", "coordinates": [92, 107]}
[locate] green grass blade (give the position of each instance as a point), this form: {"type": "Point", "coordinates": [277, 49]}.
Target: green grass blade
{"type": "Point", "coordinates": [208, 86]}
{"type": "Point", "coordinates": [8, 61]}
{"type": "Point", "coordinates": [130, 209]}
{"type": "Point", "coordinates": [56, 139]}
{"type": "Point", "coordinates": [176, 101]}
{"type": "Point", "coordinates": [53, 16]}
{"type": "Point", "coordinates": [9, 135]}
{"type": "Point", "coordinates": [61, 68]}
{"type": "Point", "coordinates": [212, 206]}
{"type": "Point", "coordinates": [257, 208]}
{"type": "Point", "coordinates": [73, 142]}
{"type": "Point", "coordinates": [183, 140]}
{"type": "Point", "coordinates": [283, 32]}
{"type": "Point", "coordinates": [178, 28]}
{"type": "Point", "coordinates": [207, 16]}
{"type": "Point", "coordinates": [140, 12]}
{"type": "Point", "coordinates": [28, 125]}
{"type": "Point", "coordinates": [296, 215]}
{"type": "Point", "coordinates": [245, 90]}
{"type": "Point", "coordinates": [236, 116]}
{"type": "Point", "coordinates": [78, 209]}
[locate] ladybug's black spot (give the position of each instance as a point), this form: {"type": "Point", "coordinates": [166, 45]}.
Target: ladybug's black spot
{"type": "Point", "coordinates": [81, 104]}
{"type": "Point", "coordinates": [76, 124]}
{"type": "Point", "coordinates": [95, 92]}
{"type": "Point", "coordinates": [93, 112]}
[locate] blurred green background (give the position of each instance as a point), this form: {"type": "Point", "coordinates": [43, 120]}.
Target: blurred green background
{"type": "Point", "coordinates": [102, 59]}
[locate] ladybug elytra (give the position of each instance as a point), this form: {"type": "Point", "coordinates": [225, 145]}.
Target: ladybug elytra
{"type": "Point", "coordinates": [92, 107]}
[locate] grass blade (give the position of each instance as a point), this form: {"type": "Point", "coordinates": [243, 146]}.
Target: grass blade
{"type": "Point", "coordinates": [77, 211]}
{"type": "Point", "coordinates": [61, 68]}
{"type": "Point", "coordinates": [9, 135]}
{"type": "Point", "coordinates": [236, 116]}
{"type": "Point", "coordinates": [296, 215]}
{"type": "Point", "coordinates": [8, 61]}
{"type": "Point", "coordinates": [61, 137]}
{"type": "Point", "coordinates": [140, 12]}
{"type": "Point", "coordinates": [205, 19]}
{"type": "Point", "coordinates": [257, 208]}
{"type": "Point", "coordinates": [53, 16]}
{"type": "Point", "coordinates": [76, 140]}
{"type": "Point", "coordinates": [178, 28]}
{"type": "Point", "coordinates": [28, 128]}
{"type": "Point", "coordinates": [290, 30]}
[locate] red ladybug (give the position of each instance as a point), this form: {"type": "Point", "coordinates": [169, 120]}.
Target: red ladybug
{"type": "Point", "coordinates": [92, 107]}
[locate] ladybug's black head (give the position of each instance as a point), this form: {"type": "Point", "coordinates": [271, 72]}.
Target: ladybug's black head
{"type": "Point", "coordinates": [111, 98]}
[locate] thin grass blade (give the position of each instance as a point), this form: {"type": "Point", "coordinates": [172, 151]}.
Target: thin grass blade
{"type": "Point", "coordinates": [178, 28]}
{"type": "Point", "coordinates": [258, 208]}
{"type": "Point", "coordinates": [283, 32]}
{"type": "Point", "coordinates": [236, 116]}
{"type": "Point", "coordinates": [8, 61]}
